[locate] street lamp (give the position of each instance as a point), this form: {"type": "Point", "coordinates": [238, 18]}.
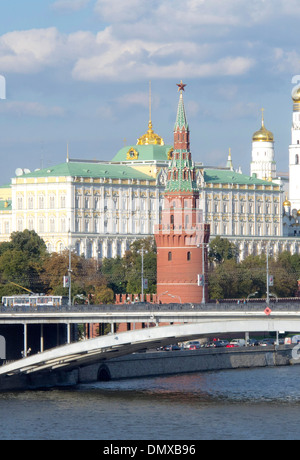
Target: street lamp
{"type": "Point", "coordinates": [201, 278]}
{"type": "Point", "coordinates": [270, 278]}
{"type": "Point", "coordinates": [252, 295]}
{"type": "Point", "coordinates": [142, 252]}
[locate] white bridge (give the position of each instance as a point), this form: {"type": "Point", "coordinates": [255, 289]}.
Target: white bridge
{"type": "Point", "coordinates": [194, 323]}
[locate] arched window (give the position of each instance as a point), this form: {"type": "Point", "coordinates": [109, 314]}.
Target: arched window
{"type": "Point", "coordinates": [188, 256]}
{"type": "Point", "coordinates": [170, 256]}
{"type": "Point", "coordinates": [297, 160]}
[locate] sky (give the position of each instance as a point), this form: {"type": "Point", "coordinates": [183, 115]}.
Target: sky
{"type": "Point", "coordinates": [77, 73]}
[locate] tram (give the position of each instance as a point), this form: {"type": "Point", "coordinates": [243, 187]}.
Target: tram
{"type": "Point", "coordinates": [36, 300]}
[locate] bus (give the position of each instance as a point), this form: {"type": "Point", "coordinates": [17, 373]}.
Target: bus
{"type": "Point", "coordinates": [37, 300]}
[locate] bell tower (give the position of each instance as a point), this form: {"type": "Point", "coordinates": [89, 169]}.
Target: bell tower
{"type": "Point", "coordinates": [263, 155]}
{"type": "Point", "coordinates": [294, 150]}
{"type": "Point", "coordinates": [182, 238]}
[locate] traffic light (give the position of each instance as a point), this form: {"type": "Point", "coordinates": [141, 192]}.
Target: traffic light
{"type": "Point", "coordinates": [200, 280]}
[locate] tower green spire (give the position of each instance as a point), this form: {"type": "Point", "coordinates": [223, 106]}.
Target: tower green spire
{"type": "Point", "coordinates": [181, 172]}
{"type": "Point", "coordinates": [181, 121]}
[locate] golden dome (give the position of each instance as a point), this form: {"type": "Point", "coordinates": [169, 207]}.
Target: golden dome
{"type": "Point", "coordinates": [150, 138]}
{"type": "Point", "coordinates": [287, 203]}
{"type": "Point", "coordinates": [296, 94]}
{"type": "Point", "coordinates": [263, 135]}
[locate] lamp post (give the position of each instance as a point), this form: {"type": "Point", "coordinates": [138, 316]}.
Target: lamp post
{"type": "Point", "coordinates": [142, 252]}
{"type": "Point", "coordinates": [203, 270]}
{"type": "Point", "coordinates": [252, 295]}
{"type": "Point", "coordinates": [268, 278]}
{"type": "Point", "coordinates": [201, 278]}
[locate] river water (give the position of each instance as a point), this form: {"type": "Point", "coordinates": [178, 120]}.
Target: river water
{"type": "Point", "coordinates": [236, 404]}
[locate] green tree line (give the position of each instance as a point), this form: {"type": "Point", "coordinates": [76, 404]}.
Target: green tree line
{"type": "Point", "coordinates": [26, 263]}
{"type": "Point", "coordinates": [230, 279]}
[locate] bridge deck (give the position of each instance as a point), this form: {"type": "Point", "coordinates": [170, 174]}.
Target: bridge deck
{"type": "Point", "coordinates": [144, 313]}
{"type": "Point", "coordinates": [112, 345]}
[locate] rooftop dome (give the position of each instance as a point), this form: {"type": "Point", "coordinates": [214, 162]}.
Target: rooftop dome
{"type": "Point", "coordinates": [150, 138]}
{"type": "Point", "coordinates": [263, 135]}
{"type": "Point", "coordinates": [296, 94]}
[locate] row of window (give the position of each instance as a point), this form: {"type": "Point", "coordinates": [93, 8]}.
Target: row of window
{"type": "Point", "coordinates": [114, 227]}
{"type": "Point", "coordinates": [41, 202]}
{"type": "Point", "coordinates": [115, 203]}
{"type": "Point", "coordinates": [242, 208]}
{"type": "Point", "coordinates": [244, 230]}
{"type": "Point", "coordinates": [55, 225]}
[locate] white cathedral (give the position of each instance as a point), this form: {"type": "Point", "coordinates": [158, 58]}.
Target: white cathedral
{"type": "Point", "coordinates": [99, 208]}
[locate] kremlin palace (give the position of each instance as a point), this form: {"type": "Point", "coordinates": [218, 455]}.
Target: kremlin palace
{"type": "Point", "coordinates": [99, 208]}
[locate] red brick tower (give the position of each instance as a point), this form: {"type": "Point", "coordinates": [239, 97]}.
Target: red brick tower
{"type": "Point", "coordinates": [182, 238]}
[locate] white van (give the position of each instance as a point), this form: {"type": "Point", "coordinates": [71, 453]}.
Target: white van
{"type": "Point", "coordinates": [238, 342]}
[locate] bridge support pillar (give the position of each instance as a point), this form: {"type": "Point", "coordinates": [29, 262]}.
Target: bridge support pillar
{"type": "Point", "coordinates": [42, 339]}
{"type": "Point", "coordinates": [69, 333]}
{"type": "Point", "coordinates": [247, 337]}
{"type": "Point", "coordinates": [25, 341]}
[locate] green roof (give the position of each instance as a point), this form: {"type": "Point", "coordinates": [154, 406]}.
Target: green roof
{"type": "Point", "coordinates": [145, 153]}
{"type": "Point", "coordinates": [93, 170]}
{"type": "Point", "coordinates": [216, 176]}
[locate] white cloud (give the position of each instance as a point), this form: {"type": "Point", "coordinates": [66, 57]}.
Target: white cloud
{"type": "Point", "coordinates": [166, 39]}
{"type": "Point", "coordinates": [95, 57]}
{"type": "Point", "coordinates": [28, 51]}
{"type": "Point", "coordinates": [286, 60]}
{"type": "Point", "coordinates": [161, 14]}
{"type": "Point", "coordinates": [134, 59]}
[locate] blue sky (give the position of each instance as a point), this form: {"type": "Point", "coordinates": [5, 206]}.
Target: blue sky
{"type": "Point", "coordinates": [78, 71]}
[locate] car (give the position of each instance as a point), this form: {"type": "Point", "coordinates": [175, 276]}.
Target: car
{"type": "Point", "coordinates": [221, 343]}
{"type": "Point", "coordinates": [171, 348]}
{"type": "Point", "coordinates": [194, 342]}
{"type": "Point", "coordinates": [267, 342]}
{"type": "Point", "coordinates": [210, 345]}
{"type": "Point", "coordinates": [253, 343]}
{"type": "Point", "coordinates": [195, 346]}
{"type": "Point", "coordinates": [239, 342]}
{"type": "Point", "coordinates": [232, 345]}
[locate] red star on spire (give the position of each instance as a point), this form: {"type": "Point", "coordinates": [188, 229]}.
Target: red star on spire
{"type": "Point", "coordinates": [181, 86]}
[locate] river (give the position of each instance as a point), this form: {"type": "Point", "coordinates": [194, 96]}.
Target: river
{"type": "Point", "coordinates": [237, 404]}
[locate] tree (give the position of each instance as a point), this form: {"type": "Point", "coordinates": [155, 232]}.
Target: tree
{"type": "Point", "coordinates": [21, 262]}
{"type": "Point", "coordinates": [114, 272]}
{"type": "Point", "coordinates": [286, 271]}
{"type": "Point", "coordinates": [124, 274]}
{"type": "Point", "coordinates": [224, 281]}
{"type": "Point", "coordinates": [133, 266]}
{"type": "Point", "coordinates": [221, 249]}
{"type": "Point", "coordinates": [86, 279]}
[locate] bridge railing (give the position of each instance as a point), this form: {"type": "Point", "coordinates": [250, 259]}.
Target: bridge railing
{"type": "Point", "coordinates": [145, 307]}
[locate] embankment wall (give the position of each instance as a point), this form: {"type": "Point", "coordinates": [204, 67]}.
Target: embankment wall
{"type": "Point", "coordinates": [156, 364]}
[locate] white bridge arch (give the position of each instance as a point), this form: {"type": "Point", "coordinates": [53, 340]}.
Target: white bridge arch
{"type": "Point", "coordinates": [87, 352]}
